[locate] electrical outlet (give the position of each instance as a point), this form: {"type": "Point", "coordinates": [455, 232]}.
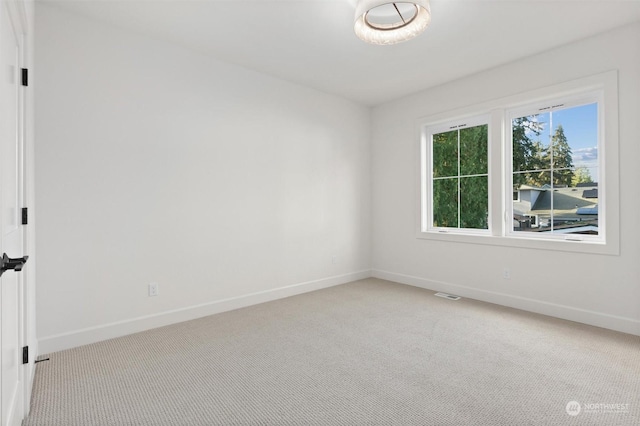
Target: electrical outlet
{"type": "Point", "coordinates": [153, 289]}
{"type": "Point", "coordinates": [506, 274]}
{"type": "Point", "coordinates": [334, 259]}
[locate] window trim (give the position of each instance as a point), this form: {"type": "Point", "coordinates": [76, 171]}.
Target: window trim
{"type": "Point", "coordinates": [607, 84]}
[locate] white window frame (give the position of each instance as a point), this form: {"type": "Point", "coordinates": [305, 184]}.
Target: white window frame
{"type": "Point", "coordinates": [500, 231]}
{"type": "Point", "coordinates": [427, 175]}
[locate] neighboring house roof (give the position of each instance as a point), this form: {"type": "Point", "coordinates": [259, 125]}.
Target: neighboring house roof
{"type": "Point", "coordinates": [568, 199]}
{"type": "Point", "coordinates": [568, 202]}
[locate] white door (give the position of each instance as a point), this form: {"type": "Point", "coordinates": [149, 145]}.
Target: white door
{"type": "Point", "coordinates": [11, 229]}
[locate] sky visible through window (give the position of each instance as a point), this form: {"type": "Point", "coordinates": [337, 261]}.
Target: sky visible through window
{"type": "Point", "coordinates": [580, 125]}
{"type": "Point", "coordinates": [581, 128]}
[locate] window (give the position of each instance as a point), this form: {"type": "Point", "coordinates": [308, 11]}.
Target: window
{"type": "Point", "coordinates": [555, 169]}
{"type": "Point", "coordinates": [459, 175]}
{"type": "Point", "coordinates": [526, 171]}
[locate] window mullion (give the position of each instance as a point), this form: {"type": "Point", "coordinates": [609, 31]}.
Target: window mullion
{"type": "Point", "coordinates": [551, 154]}
{"type": "Point", "coordinates": [459, 212]}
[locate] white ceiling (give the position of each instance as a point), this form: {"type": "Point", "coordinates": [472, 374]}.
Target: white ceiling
{"type": "Point", "coordinates": [311, 42]}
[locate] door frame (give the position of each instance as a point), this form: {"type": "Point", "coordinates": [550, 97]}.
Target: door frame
{"type": "Point", "coordinates": [25, 10]}
{"type": "Point", "coordinates": [21, 14]}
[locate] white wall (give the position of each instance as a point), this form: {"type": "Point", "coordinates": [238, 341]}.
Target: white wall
{"type": "Point", "coordinates": [157, 164]}
{"type": "Point", "coordinates": [602, 290]}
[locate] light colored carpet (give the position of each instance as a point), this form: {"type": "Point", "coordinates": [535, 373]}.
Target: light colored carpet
{"type": "Point", "coordinates": [369, 352]}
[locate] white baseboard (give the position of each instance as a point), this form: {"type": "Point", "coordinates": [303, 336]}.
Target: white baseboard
{"type": "Point", "coordinates": [598, 319]}
{"type": "Point", "coordinates": [86, 336]}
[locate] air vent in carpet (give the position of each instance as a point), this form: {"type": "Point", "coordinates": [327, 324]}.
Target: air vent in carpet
{"type": "Point", "coordinates": [448, 296]}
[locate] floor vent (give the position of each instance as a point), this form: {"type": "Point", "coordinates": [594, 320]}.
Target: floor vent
{"type": "Point", "coordinates": [448, 296]}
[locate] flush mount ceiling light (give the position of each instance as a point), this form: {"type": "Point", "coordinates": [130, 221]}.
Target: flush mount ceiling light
{"type": "Point", "coordinates": [385, 22]}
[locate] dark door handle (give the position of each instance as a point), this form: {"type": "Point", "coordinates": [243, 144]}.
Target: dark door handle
{"type": "Point", "coordinates": [16, 264]}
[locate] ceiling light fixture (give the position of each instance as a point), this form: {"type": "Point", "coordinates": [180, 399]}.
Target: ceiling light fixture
{"type": "Point", "coordinates": [385, 22]}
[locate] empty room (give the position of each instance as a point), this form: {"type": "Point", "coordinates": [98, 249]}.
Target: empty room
{"type": "Point", "coordinates": [320, 212]}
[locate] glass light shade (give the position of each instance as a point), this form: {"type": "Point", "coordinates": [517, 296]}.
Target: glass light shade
{"type": "Point", "coordinates": [387, 22]}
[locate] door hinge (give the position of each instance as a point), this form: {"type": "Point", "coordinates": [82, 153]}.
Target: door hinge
{"type": "Point", "coordinates": [25, 354]}
{"type": "Point", "coordinates": [25, 77]}
{"type": "Point", "coordinates": [25, 215]}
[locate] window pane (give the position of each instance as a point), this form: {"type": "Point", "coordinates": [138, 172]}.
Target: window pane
{"type": "Point", "coordinates": [445, 203]}
{"type": "Point", "coordinates": [532, 211]}
{"type": "Point", "coordinates": [529, 142]}
{"type": "Point", "coordinates": [575, 162]}
{"type": "Point", "coordinates": [559, 191]}
{"type": "Point", "coordinates": [575, 208]}
{"type": "Point", "coordinates": [445, 154]}
{"type": "Point", "coordinates": [474, 150]}
{"type": "Point", "coordinates": [575, 140]}
{"type": "Point", "coordinates": [588, 210]}
{"type": "Point", "coordinates": [474, 202]}
{"type": "Point", "coordinates": [460, 157]}
{"type": "Point", "coordinates": [562, 157]}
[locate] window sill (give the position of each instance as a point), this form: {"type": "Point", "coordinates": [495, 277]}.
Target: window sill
{"type": "Point", "coordinates": [583, 246]}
